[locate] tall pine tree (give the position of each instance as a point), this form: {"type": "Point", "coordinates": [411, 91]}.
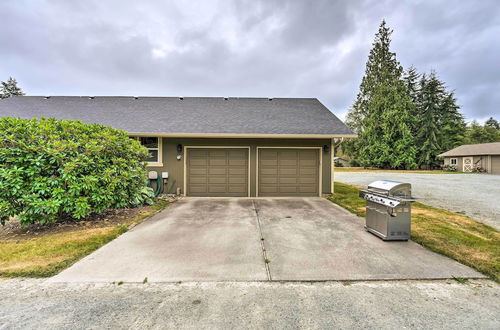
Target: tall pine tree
{"type": "Point", "coordinates": [429, 107]}
{"type": "Point", "coordinates": [382, 113]}
{"type": "Point", "coordinates": [9, 88]}
{"type": "Point", "coordinates": [439, 124]}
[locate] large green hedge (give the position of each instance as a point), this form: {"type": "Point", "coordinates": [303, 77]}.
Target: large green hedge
{"type": "Point", "coordinates": [51, 169]}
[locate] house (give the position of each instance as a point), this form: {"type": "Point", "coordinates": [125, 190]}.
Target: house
{"type": "Point", "coordinates": [470, 156]}
{"type": "Point", "coordinates": [214, 146]}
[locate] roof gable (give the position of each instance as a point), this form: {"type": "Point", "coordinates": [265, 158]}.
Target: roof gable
{"type": "Point", "coordinates": [188, 115]}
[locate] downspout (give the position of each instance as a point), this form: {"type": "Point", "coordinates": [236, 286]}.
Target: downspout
{"type": "Point", "coordinates": [332, 155]}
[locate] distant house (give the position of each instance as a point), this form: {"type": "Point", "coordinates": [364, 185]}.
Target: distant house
{"type": "Point", "coordinates": [469, 156]}
{"type": "Point", "coordinates": [339, 161]}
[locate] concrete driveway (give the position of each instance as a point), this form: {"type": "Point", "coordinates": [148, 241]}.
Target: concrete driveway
{"type": "Point", "coordinates": [473, 194]}
{"type": "Point", "coordinates": [309, 239]}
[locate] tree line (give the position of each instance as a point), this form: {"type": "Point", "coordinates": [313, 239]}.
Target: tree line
{"type": "Point", "coordinates": [404, 118]}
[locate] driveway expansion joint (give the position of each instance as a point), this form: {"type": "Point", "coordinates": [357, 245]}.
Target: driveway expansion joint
{"type": "Point", "coordinates": [264, 251]}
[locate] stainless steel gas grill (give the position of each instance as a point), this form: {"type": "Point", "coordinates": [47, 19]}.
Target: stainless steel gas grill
{"type": "Point", "coordinates": [388, 209]}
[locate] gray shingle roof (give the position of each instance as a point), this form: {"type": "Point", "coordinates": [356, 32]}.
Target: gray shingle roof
{"type": "Point", "coordinates": [191, 115]}
{"type": "Point", "coordinates": [474, 149]}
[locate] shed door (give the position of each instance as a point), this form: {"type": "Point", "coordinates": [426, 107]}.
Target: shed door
{"type": "Point", "coordinates": [288, 172]}
{"type": "Point", "coordinates": [217, 172]}
{"type": "Point", "coordinates": [467, 164]}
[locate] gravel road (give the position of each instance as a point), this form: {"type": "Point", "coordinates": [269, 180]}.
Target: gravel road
{"type": "Point", "coordinates": [37, 304]}
{"type": "Point", "coordinates": [476, 195]}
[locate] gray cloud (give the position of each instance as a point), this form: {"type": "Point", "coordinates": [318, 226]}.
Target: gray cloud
{"type": "Point", "coordinates": [246, 48]}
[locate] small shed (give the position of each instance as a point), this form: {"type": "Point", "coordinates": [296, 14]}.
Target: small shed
{"type": "Point", "coordinates": [467, 157]}
{"type": "Point", "coordinates": [341, 162]}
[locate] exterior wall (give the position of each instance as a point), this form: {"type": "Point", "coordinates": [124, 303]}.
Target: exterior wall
{"type": "Point", "coordinates": [459, 162]}
{"type": "Point", "coordinates": [484, 161]}
{"type": "Point", "coordinates": [175, 167]}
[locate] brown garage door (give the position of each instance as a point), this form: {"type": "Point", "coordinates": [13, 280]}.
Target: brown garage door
{"type": "Point", "coordinates": [217, 172]}
{"type": "Point", "coordinates": [495, 165]}
{"type": "Point", "coordinates": [288, 172]}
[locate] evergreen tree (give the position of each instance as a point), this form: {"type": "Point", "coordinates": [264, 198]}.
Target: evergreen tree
{"type": "Point", "coordinates": [452, 124]}
{"type": "Point", "coordinates": [492, 123]}
{"type": "Point", "coordinates": [382, 112]}
{"type": "Point", "coordinates": [411, 79]}
{"type": "Point", "coordinates": [429, 107]}
{"type": "Point", "coordinates": [9, 88]}
{"type": "Point", "coordinates": [439, 124]}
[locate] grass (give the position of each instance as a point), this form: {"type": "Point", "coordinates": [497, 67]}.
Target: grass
{"type": "Point", "coordinates": [378, 170]}
{"type": "Point", "coordinates": [49, 254]}
{"type": "Point", "coordinates": [454, 235]}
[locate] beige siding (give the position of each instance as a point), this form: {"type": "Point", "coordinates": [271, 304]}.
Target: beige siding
{"type": "Point", "coordinates": [176, 167]}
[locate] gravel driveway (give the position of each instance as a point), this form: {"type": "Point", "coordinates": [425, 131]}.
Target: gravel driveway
{"type": "Point", "coordinates": [37, 304]}
{"type": "Point", "coordinates": [476, 195]}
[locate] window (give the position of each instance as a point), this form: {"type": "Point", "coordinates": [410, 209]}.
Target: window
{"type": "Point", "coordinates": [453, 161]}
{"type": "Point", "coordinates": [153, 144]}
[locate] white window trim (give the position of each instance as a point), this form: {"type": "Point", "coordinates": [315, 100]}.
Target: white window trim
{"type": "Point", "coordinates": [456, 161]}
{"type": "Point", "coordinates": [159, 149]}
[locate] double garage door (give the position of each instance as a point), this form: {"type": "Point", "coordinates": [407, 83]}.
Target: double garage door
{"type": "Point", "coordinates": [225, 172]}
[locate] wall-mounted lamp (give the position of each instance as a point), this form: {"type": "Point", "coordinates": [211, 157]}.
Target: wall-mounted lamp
{"type": "Point", "coordinates": [326, 148]}
{"type": "Point", "coordinates": [179, 148]}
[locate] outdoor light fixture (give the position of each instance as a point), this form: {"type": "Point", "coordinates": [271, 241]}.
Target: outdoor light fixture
{"type": "Point", "coordinates": [179, 148]}
{"type": "Point", "coordinates": [326, 148]}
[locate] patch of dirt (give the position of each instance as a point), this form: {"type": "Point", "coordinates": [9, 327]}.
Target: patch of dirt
{"type": "Point", "coordinates": [14, 230]}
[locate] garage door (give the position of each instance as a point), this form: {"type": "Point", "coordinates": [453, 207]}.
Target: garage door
{"type": "Point", "coordinates": [495, 164]}
{"type": "Point", "coordinates": [217, 172]}
{"type": "Point", "coordinates": [288, 172]}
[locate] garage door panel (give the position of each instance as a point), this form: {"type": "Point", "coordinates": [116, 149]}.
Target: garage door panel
{"type": "Point", "coordinates": [241, 188]}
{"type": "Point", "coordinates": [269, 171]}
{"type": "Point", "coordinates": [214, 188]}
{"type": "Point", "coordinates": [288, 189]}
{"type": "Point", "coordinates": [197, 171]}
{"type": "Point", "coordinates": [308, 162]}
{"type": "Point", "coordinates": [236, 180]}
{"type": "Point", "coordinates": [308, 171]}
{"type": "Point", "coordinates": [217, 162]}
{"type": "Point", "coordinates": [307, 180]}
{"type": "Point", "coordinates": [238, 170]}
{"type": "Point", "coordinates": [198, 162]}
{"type": "Point", "coordinates": [197, 179]}
{"type": "Point", "coordinates": [293, 172]}
{"type": "Point", "coordinates": [288, 162]}
{"type": "Point", "coordinates": [237, 162]}
{"type": "Point", "coordinates": [269, 180]}
{"type": "Point", "coordinates": [287, 171]}
{"type": "Point", "coordinates": [217, 172]}
{"type": "Point", "coordinates": [217, 180]}
{"type": "Point", "coordinates": [263, 189]}
{"type": "Point", "coordinates": [198, 188]}
{"type": "Point", "coordinates": [292, 180]}
{"type": "Point", "coordinates": [308, 188]}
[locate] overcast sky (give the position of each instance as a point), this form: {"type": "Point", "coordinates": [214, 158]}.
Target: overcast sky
{"type": "Point", "coordinates": [246, 48]}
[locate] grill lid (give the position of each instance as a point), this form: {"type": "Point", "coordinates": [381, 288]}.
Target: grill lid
{"type": "Point", "coordinates": [390, 188]}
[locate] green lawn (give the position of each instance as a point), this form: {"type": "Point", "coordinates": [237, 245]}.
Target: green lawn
{"type": "Point", "coordinates": [49, 254]}
{"type": "Point", "coordinates": [454, 235]}
{"type": "Point", "coordinates": [362, 169]}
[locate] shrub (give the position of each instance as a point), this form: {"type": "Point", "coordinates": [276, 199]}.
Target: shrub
{"type": "Point", "coordinates": [51, 169]}
{"type": "Point", "coordinates": [449, 168]}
